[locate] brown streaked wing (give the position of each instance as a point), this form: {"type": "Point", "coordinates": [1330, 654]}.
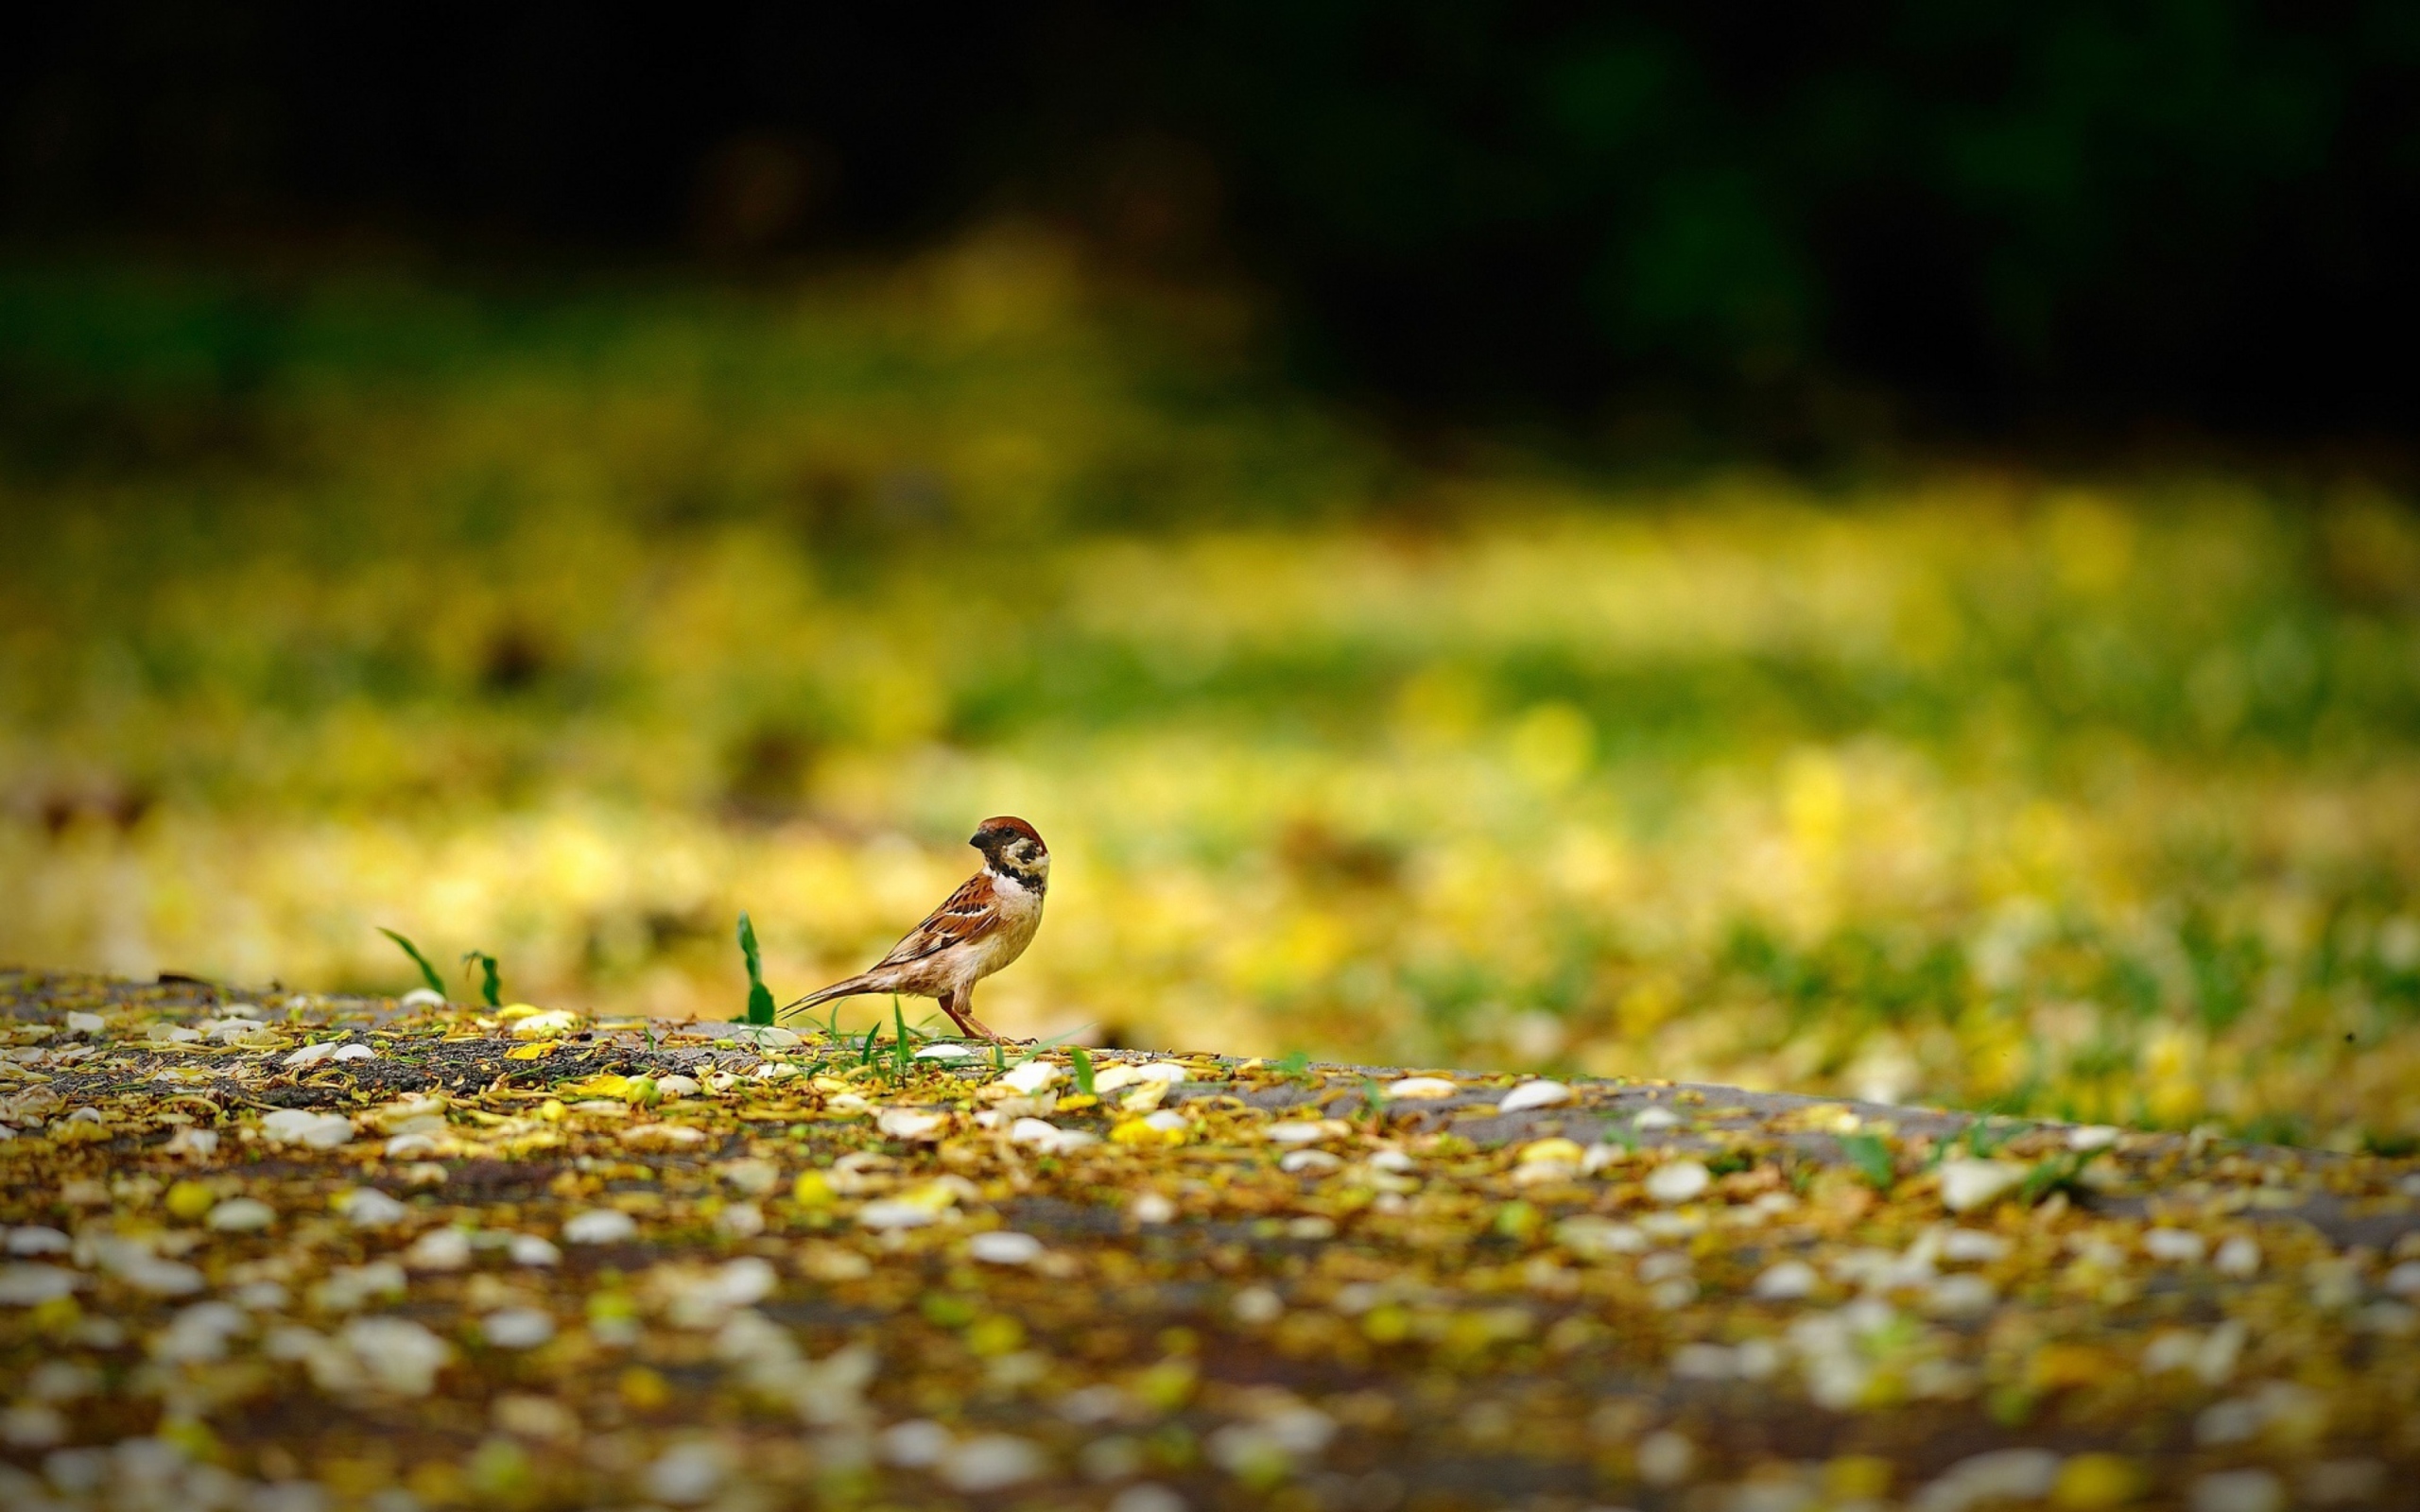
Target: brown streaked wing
{"type": "Point", "coordinates": [968, 914]}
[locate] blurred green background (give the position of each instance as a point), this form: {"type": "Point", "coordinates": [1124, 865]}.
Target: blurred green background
{"type": "Point", "coordinates": [1430, 623]}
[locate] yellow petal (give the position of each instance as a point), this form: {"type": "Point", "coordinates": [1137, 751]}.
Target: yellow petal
{"type": "Point", "coordinates": [812, 1190]}
{"type": "Point", "coordinates": [1564, 1150]}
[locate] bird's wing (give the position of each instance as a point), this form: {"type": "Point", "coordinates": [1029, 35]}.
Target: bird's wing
{"type": "Point", "coordinates": [968, 915]}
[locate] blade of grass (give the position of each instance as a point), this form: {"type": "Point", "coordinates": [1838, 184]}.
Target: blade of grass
{"type": "Point", "coordinates": [1871, 1155]}
{"type": "Point", "coordinates": [491, 980]}
{"type": "Point", "coordinates": [428, 973]}
{"type": "Point", "coordinates": [760, 1000]}
{"type": "Point", "coordinates": [1986, 1140]}
{"type": "Point", "coordinates": [1374, 1101]}
{"type": "Point", "coordinates": [1082, 1060]}
{"type": "Point", "coordinates": [2060, 1173]}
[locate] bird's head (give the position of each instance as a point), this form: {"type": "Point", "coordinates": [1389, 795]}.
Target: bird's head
{"type": "Point", "coordinates": [1013, 849]}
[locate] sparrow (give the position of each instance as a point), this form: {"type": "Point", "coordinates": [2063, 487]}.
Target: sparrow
{"type": "Point", "coordinates": [983, 926]}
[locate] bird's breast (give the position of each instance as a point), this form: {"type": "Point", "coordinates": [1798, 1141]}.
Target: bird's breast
{"type": "Point", "coordinates": [1020, 916]}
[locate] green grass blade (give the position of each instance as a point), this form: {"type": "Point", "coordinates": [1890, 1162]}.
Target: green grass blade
{"type": "Point", "coordinates": [428, 973]}
{"type": "Point", "coordinates": [1871, 1155]}
{"type": "Point", "coordinates": [1081, 1059]}
{"type": "Point", "coordinates": [490, 979]}
{"type": "Point", "coordinates": [760, 999]}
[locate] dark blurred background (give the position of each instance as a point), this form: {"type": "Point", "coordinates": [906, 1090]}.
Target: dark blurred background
{"type": "Point", "coordinates": [1797, 225]}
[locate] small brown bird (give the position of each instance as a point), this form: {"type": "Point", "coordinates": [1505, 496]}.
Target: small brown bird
{"type": "Point", "coordinates": [983, 926]}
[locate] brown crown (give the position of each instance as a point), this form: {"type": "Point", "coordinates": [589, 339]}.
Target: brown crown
{"type": "Point", "coordinates": [1001, 826]}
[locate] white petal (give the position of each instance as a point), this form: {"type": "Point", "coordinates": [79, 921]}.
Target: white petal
{"type": "Point", "coordinates": [1004, 1247]}
{"type": "Point", "coordinates": [1678, 1181]}
{"type": "Point", "coordinates": [1968, 1184]}
{"type": "Point", "coordinates": [517, 1328]}
{"type": "Point", "coordinates": [238, 1216]}
{"type": "Point", "coordinates": [599, 1225]}
{"type": "Point", "coordinates": [1031, 1077]}
{"type": "Point", "coordinates": [1534, 1094]}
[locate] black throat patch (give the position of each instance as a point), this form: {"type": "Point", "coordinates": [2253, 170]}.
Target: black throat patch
{"type": "Point", "coordinates": [1032, 881]}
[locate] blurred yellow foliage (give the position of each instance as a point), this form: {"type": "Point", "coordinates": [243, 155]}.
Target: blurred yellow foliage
{"type": "Point", "coordinates": [566, 630]}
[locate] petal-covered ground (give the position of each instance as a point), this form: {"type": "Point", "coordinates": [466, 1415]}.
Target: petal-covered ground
{"type": "Point", "coordinates": [296, 1252]}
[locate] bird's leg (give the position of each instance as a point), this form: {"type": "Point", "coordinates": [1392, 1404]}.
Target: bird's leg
{"type": "Point", "coordinates": [966, 1024]}
{"type": "Point", "coordinates": [963, 1012]}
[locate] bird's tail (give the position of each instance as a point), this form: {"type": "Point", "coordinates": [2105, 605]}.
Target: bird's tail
{"type": "Point", "coordinates": [838, 990]}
